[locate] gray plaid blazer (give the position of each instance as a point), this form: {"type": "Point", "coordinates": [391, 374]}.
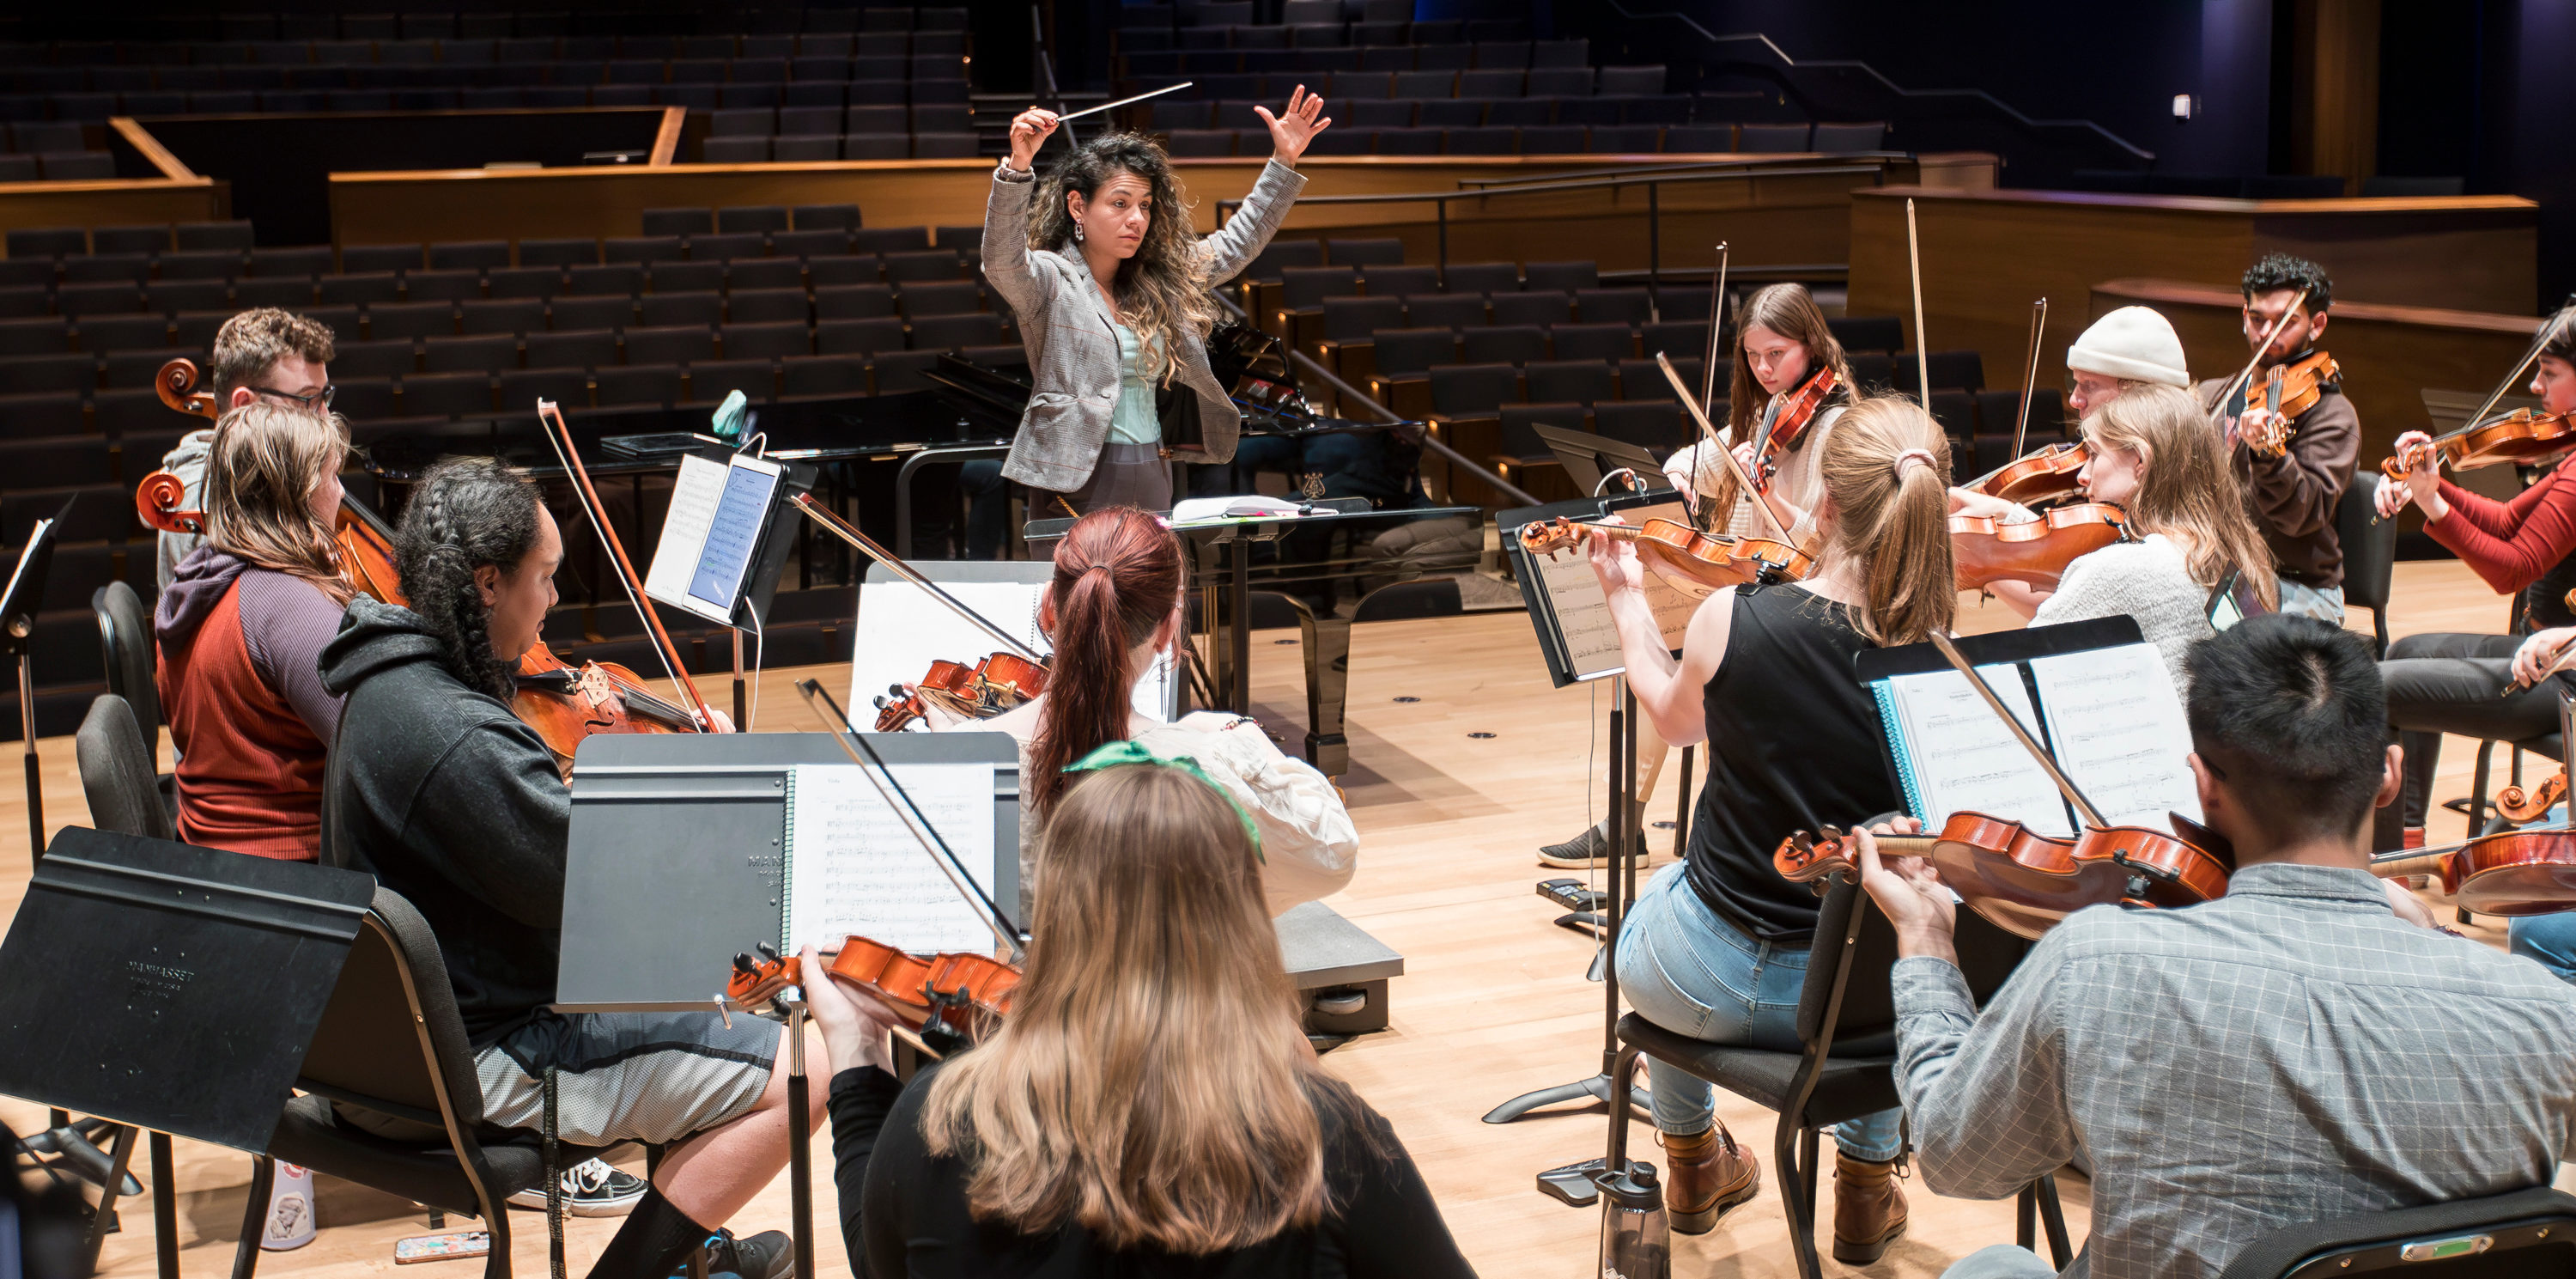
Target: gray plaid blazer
{"type": "Point", "coordinates": [1073, 352]}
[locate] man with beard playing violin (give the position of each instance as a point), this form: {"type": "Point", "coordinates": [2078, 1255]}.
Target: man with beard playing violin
{"type": "Point", "coordinates": [2305, 1047]}
{"type": "Point", "coordinates": [2292, 496]}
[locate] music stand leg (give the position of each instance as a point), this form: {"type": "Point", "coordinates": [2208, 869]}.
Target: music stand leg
{"type": "Point", "coordinates": [1238, 588]}
{"type": "Point", "coordinates": [165, 1209]}
{"type": "Point", "coordinates": [100, 1220]}
{"type": "Point", "coordinates": [800, 1154]}
{"type": "Point", "coordinates": [263, 1178]}
{"type": "Point", "coordinates": [35, 774]}
{"type": "Point", "coordinates": [741, 708]}
{"type": "Point", "coordinates": [1573, 1184]}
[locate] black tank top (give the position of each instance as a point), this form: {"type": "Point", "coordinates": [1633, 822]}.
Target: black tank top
{"type": "Point", "coordinates": [1793, 744]}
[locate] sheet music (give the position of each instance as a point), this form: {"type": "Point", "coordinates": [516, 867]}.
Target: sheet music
{"type": "Point", "coordinates": [1964, 759]}
{"type": "Point", "coordinates": [684, 531]}
{"type": "Point", "coordinates": [2116, 725]}
{"type": "Point", "coordinates": [854, 867]}
{"type": "Point", "coordinates": [1583, 615]}
{"type": "Point", "coordinates": [900, 629]}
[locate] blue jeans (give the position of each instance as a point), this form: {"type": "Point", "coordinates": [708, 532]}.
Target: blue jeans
{"type": "Point", "coordinates": [1692, 973]}
{"type": "Point", "coordinates": [2548, 939]}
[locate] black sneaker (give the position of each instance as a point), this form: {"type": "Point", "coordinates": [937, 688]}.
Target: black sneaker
{"type": "Point", "coordinates": [591, 1188]}
{"type": "Point", "coordinates": [1587, 850]}
{"type": "Point", "coordinates": [767, 1255]}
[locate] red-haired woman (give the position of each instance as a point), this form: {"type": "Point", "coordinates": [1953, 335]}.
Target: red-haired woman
{"type": "Point", "coordinates": [1112, 609]}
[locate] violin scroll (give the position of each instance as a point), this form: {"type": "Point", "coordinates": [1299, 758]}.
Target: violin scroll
{"type": "Point", "coordinates": [2521, 807]}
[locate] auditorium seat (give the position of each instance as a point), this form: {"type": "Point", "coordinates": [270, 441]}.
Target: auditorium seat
{"type": "Point", "coordinates": [854, 302]}
{"type": "Point", "coordinates": [411, 319]}
{"type": "Point", "coordinates": [50, 413]}
{"type": "Point", "coordinates": [817, 217]}
{"type": "Point", "coordinates": [502, 315]}
{"type": "Point", "coordinates": [858, 336]}
{"type": "Point", "coordinates": [677, 344]}
{"type": "Point", "coordinates": [355, 289]}
{"type": "Point", "coordinates": [574, 349]}
{"type": "Point", "coordinates": [928, 264]}
{"type": "Point", "coordinates": [101, 334]}
{"type": "Point", "coordinates": [1445, 311]}
{"type": "Point", "coordinates": [364, 401]}
{"type": "Point", "coordinates": [1398, 279]}
{"type": "Point", "coordinates": [940, 297]}
{"type": "Point", "coordinates": [37, 336]}
{"type": "Point", "coordinates": [1570, 381]}
{"type": "Point", "coordinates": [762, 306]}
{"type": "Point", "coordinates": [216, 265]}
{"type": "Point", "coordinates": [447, 395]}
{"type": "Point", "coordinates": [610, 279]}
{"type": "Point", "coordinates": [558, 253]}
{"type": "Point", "coordinates": [37, 374]}
{"type": "Point", "coordinates": [641, 249]}
{"type": "Point", "coordinates": [591, 313]}
{"type": "Point", "coordinates": [664, 310]}
{"type": "Point", "coordinates": [889, 239]}
{"type": "Point", "coordinates": [1593, 342]}
{"type": "Point", "coordinates": [762, 274]}
{"type": "Point", "coordinates": [1700, 138]}
{"type": "Point", "coordinates": [897, 371]}
{"type": "Point", "coordinates": [766, 341]}
{"type": "Point", "coordinates": [1604, 306]}
{"type": "Point", "coordinates": [638, 385]}
{"type": "Point", "coordinates": [947, 332]}
{"type": "Point", "coordinates": [378, 359]}
{"type": "Point", "coordinates": [822, 375]}
{"type": "Point", "coordinates": [372, 259]}
{"type": "Point", "coordinates": [169, 297]}
{"type": "Point", "coordinates": [489, 354]}
{"type": "Point", "coordinates": [1655, 426]}
{"type": "Point", "coordinates": [1559, 277]}
{"type": "Point", "coordinates": [711, 380]}
{"type": "Point", "coordinates": [1771, 139]}
{"type": "Point", "coordinates": [1502, 344]}
{"type": "Point", "coordinates": [473, 255]}
{"type": "Point", "coordinates": [438, 286]}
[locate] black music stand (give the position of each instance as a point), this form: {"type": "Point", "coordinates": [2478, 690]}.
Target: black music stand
{"type": "Point", "coordinates": [1588, 457]}
{"type": "Point", "coordinates": [659, 896]}
{"type": "Point", "coordinates": [19, 604]}
{"type": "Point", "coordinates": [207, 944]}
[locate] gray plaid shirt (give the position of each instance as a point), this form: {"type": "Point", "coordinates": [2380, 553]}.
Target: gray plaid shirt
{"type": "Point", "coordinates": [2290, 1052]}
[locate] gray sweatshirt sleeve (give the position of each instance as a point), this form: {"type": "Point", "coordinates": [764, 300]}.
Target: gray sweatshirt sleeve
{"type": "Point", "coordinates": [285, 622]}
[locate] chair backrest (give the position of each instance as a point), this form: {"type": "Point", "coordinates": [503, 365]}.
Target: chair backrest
{"type": "Point", "coordinates": [2522, 1232]}
{"type": "Point", "coordinates": [116, 772]}
{"type": "Point", "coordinates": [2369, 546]}
{"type": "Point", "coordinates": [369, 1047]}
{"type": "Point", "coordinates": [125, 646]}
{"type": "Point", "coordinates": [1854, 948]}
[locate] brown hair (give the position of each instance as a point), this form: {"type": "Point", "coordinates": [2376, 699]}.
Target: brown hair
{"type": "Point", "coordinates": [1164, 286]}
{"type": "Point", "coordinates": [1150, 1085]}
{"type": "Point", "coordinates": [2562, 343]}
{"type": "Point", "coordinates": [2187, 485]}
{"type": "Point", "coordinates": [261, 471]}
{"type": "Point", "coordinates": [251, 343]}
{"type": "Point", "coordinates": [1894, 521]}
{"type": "Point", "coordinates": [1117, 581]}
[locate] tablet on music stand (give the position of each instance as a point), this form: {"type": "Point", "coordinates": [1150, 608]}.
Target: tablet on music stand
{"type": "Point", "coordinates": [1588, 457]}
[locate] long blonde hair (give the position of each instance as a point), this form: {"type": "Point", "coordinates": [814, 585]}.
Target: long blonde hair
{"type": "Point", "coordinates": [1164, 287]}
{"type": "Point", "coordinates": [1151, 1085]}
{"type": "Point", "coordinates": [258, 492]}
{"type": "Point", "coordinates": [2186, 485]}
{"type": "Point", "coordinates": [1894, 521]}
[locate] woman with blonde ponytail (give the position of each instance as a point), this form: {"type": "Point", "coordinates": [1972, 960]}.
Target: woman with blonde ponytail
{"type": "Point", "coordinates": [1716, 946]}
{"type": "Point", "coordinates": [1113, 608]}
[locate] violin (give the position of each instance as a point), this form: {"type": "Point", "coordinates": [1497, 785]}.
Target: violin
{"type": "Point", "coordinates": [996, 684]}
{"type": "Point", "coordinates": [1789, 425]}
{"type": "Point", "coordinates": [2023, 881]}
{"type": "Point", "coordinates": [2521, 807]}
{"type": "Point", "coordinates": [2521, 437]}
{"type": "Point", "coordinates": [2047, 475]}
{"type": "Point", "coordinates": [1988, 550]}
{"type": "Point", "coordinates": [2511, 873]}
{"type": "Point", "coordinates": [1698, 564]}
{"type": "Point", "coordinates": [2289, 391]}
{"type": "Point", "coordinates": [951, 1000]}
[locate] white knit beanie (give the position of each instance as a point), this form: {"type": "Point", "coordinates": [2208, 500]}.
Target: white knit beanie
{"type": "Point", "coordinates": [2132, 342]}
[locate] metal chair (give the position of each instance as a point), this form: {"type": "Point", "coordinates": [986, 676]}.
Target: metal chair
{"type": "Point", "coordinates": [1847, 1023]}
{"type": "Point", "coordinates": [2522, 1232]}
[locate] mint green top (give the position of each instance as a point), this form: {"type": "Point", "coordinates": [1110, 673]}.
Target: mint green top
{"type": "Point", "coordinates": [1134, 421]}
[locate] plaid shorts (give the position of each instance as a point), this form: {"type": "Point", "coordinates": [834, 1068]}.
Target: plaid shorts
{"type": "Point", "coordinates": [648, 1077]}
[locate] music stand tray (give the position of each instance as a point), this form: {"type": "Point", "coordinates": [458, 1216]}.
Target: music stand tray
{"type": "Point", "coordinates": [1588, 457]}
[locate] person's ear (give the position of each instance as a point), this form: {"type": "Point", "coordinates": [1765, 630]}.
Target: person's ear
{"type": "Point", "coordinates": [487, 581]}
{"type": "Point", "coordinates": [2392, 778]}
{"type": "Point", "coordinates": [241, 395]}
{"type": "Point", "coordinates": [1073, 205]}
{"type": "Point", "coordinates": [2317, 327]}
{"type": "Point", "coordinates": [2204, 785]}
{"type": "Point", "coordinates": [1046, 610]}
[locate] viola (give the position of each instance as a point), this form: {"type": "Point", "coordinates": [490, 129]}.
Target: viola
{"type": "Point", "coordinates": [2047, 475]}
{"type": "Point", "coordinates": [2515, 872]}
{"type": "Point", "coordinates": [996, 684]}
{"type": "Point", "coordinates": [1697, 563]}
{"type": "Point", "coordinates": [2522, 437]}
{"type": "Point", "coordinates": [2289, 391]}
{"type": "Point", "coordinates": [1789, 425]}
{"type": "Point", "coordinates": [2522, 807]}
{"type": "Point", "coordinates": [951, 999]}
{"type": "Point", "coordinates": [1988, 550]}
{"type": "Point", "coordinates": [2023, 881]}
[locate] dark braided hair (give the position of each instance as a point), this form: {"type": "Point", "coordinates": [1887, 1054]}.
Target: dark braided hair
{"type": "Point", "coordinates": [467, 513]}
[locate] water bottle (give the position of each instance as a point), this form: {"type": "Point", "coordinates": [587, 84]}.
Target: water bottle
{"type": "Point", "coordinates": [1636, 1238]}
{"type": "Point", "coordinates": [290, 1223]}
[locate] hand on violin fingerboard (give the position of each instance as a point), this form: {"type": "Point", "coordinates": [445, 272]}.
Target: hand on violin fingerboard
{"type": "Point", "coordinates": [854, 1030]}
{"type": "Point", "coordinates": [1923, 911]}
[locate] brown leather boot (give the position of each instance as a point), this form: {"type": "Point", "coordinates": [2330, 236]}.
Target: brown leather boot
{"type": "Point", "coordinates": [1709, 1174]}
{"type": "Point", "coordinates": [1869, 1208]}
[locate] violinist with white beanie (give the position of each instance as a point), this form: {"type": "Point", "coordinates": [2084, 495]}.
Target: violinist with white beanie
{"type": "Point", "coordinates": [2130, 347]}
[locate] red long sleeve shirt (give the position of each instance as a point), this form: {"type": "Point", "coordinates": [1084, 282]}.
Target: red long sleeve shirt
{"type": "Point", "coordinates": [2510, 544]}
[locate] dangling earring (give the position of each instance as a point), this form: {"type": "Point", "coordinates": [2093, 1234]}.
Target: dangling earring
{"type": "Point", "coordinates": [1077, 233]}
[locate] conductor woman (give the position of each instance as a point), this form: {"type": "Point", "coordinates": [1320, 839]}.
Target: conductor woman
{"type": "Point", "coordinates": [1110, 290]}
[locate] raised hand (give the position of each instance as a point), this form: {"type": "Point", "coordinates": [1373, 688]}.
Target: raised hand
{"type": "Point", "coordinates": [1029, 131]}
{"type": "Point", "coordinates": [1291, 131]}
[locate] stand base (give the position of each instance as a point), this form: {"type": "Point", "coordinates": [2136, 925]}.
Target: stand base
{"type": "Point", "coordinates": [1597, 1088]}
{"type": "Point", "coordinates": [1577, 1185]}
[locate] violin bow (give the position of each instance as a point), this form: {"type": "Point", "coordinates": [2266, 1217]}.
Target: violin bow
{"type": "Point", "coordinates": [2048, 763]}
{"type": "Point", "coordinates": [1708, 370]}
{"type": "Point", "coordinates": [2029, 376]}
{"type": "Point", "coordinates": [1922, 349]}
{"type": "Point", "coordinates": [848, 532]}
{"type": "Point", "coordinates": [550, 423]}
{"type": "Point", "coordinates": [2538, 344]}
{"type": "Point", "coordinates": [2228, 392]}
{"type": "Point", "coordinates": [1674, 376]}
{"type": "Point", "coordinates": [873, 767]}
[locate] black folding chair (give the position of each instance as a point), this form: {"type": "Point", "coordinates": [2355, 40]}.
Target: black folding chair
{"type": "Point", "coordinates": [2519, 1234]}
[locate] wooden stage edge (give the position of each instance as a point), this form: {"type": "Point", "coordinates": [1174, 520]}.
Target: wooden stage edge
{"type": "Point", "coordinates": [1493, 1002]}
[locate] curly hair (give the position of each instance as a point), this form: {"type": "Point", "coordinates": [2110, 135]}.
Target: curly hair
{"type": "Point", "coordinates": [251, 343]}
{"type": "Point", "coordinates": [467, 513]}
{"type": "Point", "coordinates": [1165, 285]}
{"type": "Point", "coordinates": [2278, 271]}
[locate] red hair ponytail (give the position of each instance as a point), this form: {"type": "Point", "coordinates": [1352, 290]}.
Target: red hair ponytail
{"type": "Point", "coordinates": [1117, 581]}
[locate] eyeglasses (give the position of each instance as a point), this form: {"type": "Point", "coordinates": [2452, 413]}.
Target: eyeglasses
{"type": "Point", "coordinates": [318, 401]}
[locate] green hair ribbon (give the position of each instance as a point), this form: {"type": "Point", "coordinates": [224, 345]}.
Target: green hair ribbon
{"type": "Point", "coordinates": [1130, 752]}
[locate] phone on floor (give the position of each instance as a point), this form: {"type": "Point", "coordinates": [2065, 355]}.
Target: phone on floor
{"type": "Point", "coordinates": [1571, 894]}
{"type": "Point", "coordinates": [454, 1245]}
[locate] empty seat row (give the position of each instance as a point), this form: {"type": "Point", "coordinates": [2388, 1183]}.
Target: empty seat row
{"type": "Point", "coordinates": [891, 118]}
{"type": "Point", "coordinates": [1327, 35]}
{"type": "Point", "coordinates": [835, 146]}
{"type": "Point", "coordinates": [58, 166]}
{"type": "Point", "coordinates": [1218, 13]}
{"type": "Point", "coordinates": [72, 241]}
{"type": "Point", "coordinates": [943, 35]}
{"type": "Point", "coordinates": [924, 63]}
{"type": "Point", "coordinates": [97, 108]}
{"type": "Point", "coordinates": [1551, 139]}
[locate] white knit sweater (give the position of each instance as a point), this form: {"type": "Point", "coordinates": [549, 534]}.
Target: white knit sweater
{"type": "Point", "coordinates": [2147, 580]}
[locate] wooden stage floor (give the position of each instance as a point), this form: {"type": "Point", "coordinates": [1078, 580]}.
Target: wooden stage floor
{"type": "Point", "coordinates": [1493, 1002]}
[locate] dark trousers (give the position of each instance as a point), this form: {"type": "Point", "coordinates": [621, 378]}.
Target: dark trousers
{"type": "Point", "coordinates": [2453, 683]}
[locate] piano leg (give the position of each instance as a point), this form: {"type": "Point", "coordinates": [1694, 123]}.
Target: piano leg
{"type": "Point", "coordinates": [1328, 670]}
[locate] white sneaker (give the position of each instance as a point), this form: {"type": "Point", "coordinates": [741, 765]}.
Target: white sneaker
{"type": "Point", "coordinates": [591, 1188]}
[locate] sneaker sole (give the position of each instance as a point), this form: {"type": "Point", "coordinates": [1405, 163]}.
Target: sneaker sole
{"type": "Point", "coordinates": [573, 1208]}
{"type": "Point", "coordinates": [1706, 1219]}
{"type": "Point", "coordinates": [1584, 863]}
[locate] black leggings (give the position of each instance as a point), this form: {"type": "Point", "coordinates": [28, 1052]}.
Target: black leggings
{"type": "Point", "coordinates": [2453, 683]}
